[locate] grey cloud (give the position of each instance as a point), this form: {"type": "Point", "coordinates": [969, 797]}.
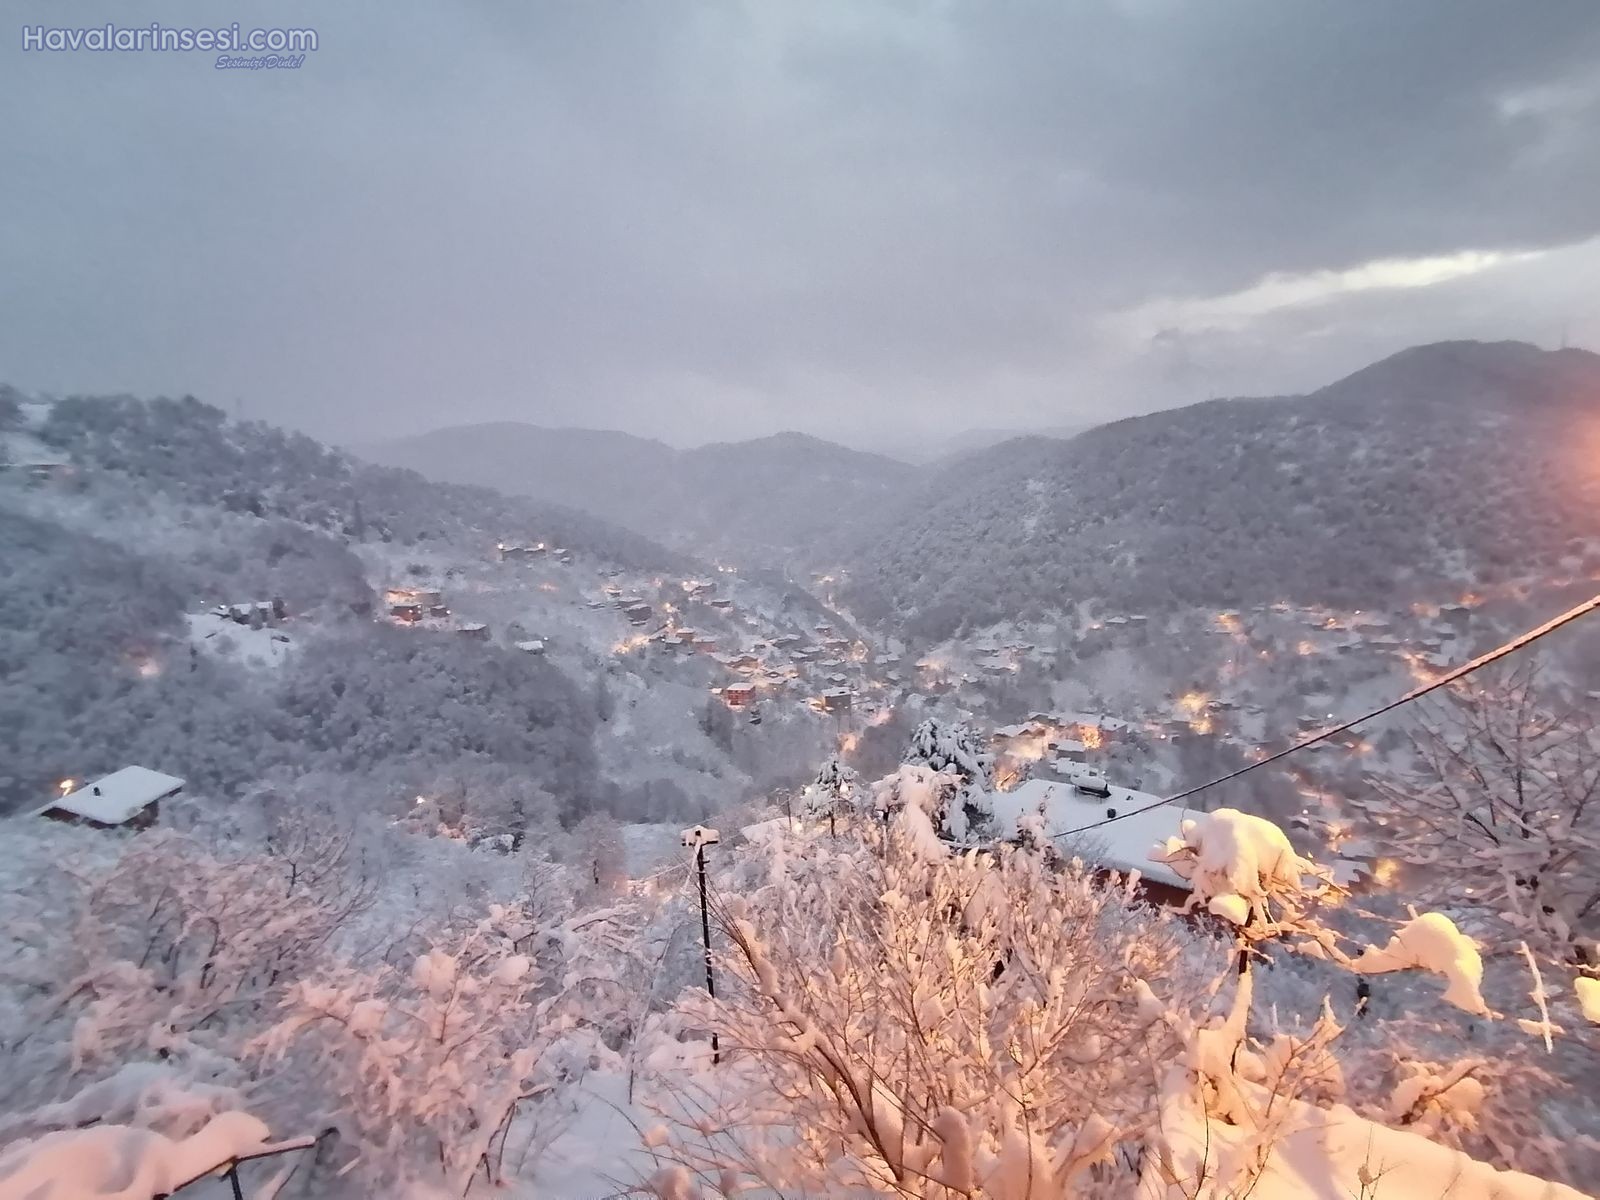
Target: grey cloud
{"type": "Point", "coordinates": [719, 219]}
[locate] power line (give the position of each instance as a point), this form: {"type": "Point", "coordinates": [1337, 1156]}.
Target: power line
{"type": "Point", "coordinates": [1461, 672]}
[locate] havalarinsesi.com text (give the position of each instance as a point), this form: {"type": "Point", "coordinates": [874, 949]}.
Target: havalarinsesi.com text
{"type": "Point", "coordinates": [157, 37]}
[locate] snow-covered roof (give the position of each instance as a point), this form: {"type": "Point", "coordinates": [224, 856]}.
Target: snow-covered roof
{"type": "Point", "coordinates": [24, 450]}
{"type": "Point", "coordinates": [1108, 724]}
{"type": "Point", "coordinates": [532, 646]}
{"type": "Point", "coordinates": [1124, 844]}
{"type": "Point", "coordinates": [117, 798]}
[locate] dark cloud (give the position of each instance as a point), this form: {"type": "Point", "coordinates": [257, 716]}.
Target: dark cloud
{"type": "Point", "coordinates": [718, 219]}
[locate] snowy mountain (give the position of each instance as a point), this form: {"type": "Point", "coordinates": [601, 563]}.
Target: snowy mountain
{"type": "Point", "coordinates": [238, 605]}
{"type": "Point", "coordinates": [757, 500]}
{"type": "Point", "coordinates": [1448, 462]}
{"type": "Point", "coordinates": [949, 448]}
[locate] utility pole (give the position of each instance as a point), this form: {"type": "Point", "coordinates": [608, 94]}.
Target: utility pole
{"type": "Point", "coordinates": [697, 839]}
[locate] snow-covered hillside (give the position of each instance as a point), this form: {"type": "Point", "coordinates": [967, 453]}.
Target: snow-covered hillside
{"type": "Point", "coordinates": [1376, 490]}
{"type": "Point", "coordinates": [215, 597]}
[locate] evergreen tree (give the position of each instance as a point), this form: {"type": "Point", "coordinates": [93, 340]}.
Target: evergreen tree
{"type": "Point", "coordinates": [831, 793]}
{"type": "Point", "coordinates": [954, 749]}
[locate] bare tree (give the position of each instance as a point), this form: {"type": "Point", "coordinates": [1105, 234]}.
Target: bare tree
{"type": "Point", "coordinates": [972, 1026]}
{"type": "Point", "coordinates": [1501, 814]}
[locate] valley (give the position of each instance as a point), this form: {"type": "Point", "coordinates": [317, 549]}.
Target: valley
{"type": "Point", "coordinates": [509, 703]}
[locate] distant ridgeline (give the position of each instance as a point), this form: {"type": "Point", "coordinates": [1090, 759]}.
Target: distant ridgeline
{"type": "Point", "coordinates": [194, 450]}
{"type": "Point", "coordinates": [1442, 461]}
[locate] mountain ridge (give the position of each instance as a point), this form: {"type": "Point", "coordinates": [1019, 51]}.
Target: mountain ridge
{"type": "Point", "coordinates": [1399, 471]}
{"type": "Point", "coordinates": [764, 498]}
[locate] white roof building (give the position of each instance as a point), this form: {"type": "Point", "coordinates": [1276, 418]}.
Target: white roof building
{"type": "Point", "coordinates": [116, 799]}
{"type": "Point", "coordinates": [1122, 845]}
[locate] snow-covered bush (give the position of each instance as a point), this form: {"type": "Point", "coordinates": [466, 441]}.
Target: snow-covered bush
{"type": "Point", "coordinates": [173, 947]}
{"type": "Point", "coordinates": [970, 1025]}
{"type": "Point", "coordinates": [1500, 817]}
{"type": "Point", "coordinates": [423, 1068]}
{"type": "Point", "coordinates": [1234, 1107]}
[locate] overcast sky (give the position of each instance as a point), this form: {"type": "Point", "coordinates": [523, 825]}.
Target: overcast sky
{"type": "Point", "coordinates": [712, 220]}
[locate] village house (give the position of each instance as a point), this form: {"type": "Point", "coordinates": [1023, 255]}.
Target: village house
{"type": "Point", "coordinates": [25, 457]}
{"type": "Point", "coordinates": [476, 630]}
{"type": "Point", "coordinates": [1088, 799]}
{"type": "Point", "coordinates": [406, 614]}
{"type": "Point", "coordinates": [531, 646]}
{"type": "Point", "coordinates": [1071, 751]}
{"type": "Point", "coordinates": [129, 799]}
{"type": "Point", "coordinates": [638, 614]}
{"type": "Point", "coordinates": [520, 553]}
{"type": "Point", "coordinates": [737, 695]}
{"type": "Point", "coordinates": [837, 700]}
{"type": "Point", "coordinates": [251, 612]}
{"type": "Point", "coordinates": [426, 597]}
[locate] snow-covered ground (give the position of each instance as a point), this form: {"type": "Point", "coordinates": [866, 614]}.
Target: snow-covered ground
{"type": "Point", "coordinates": [265, 648]}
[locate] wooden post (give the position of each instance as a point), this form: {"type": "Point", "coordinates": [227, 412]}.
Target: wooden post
{"type": "Point", "coordinates": [698, 839]}
{"type": "Point", "coordinates": [705, 936]}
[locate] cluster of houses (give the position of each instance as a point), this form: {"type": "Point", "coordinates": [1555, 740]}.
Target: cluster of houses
{"type": "Point", "coordinates": [254, 613]}
{"type": "Point", "coordinates": [1053, 745]}
{"type": "Point", "coordinates": [409, 606]}
{"type": "Point", "coordinates": [419, 605]}
{"type": "Point", "coordinates": [532, 552]}
{"type": "Point", "coordinates": [824, 668]}
{"type": "Point", "coordinates": [638, 611]}
{"type": "Point", "coordinates": [829, 671]}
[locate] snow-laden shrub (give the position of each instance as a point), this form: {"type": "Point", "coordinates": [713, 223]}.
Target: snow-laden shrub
{"type": "Point", "coordinates": [1497, 819]}
{"type": "Point", "coordinates": [967, 1025]}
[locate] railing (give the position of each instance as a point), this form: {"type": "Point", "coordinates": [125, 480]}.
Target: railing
{"type": "Point", "coordinates": [229, 1169]}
